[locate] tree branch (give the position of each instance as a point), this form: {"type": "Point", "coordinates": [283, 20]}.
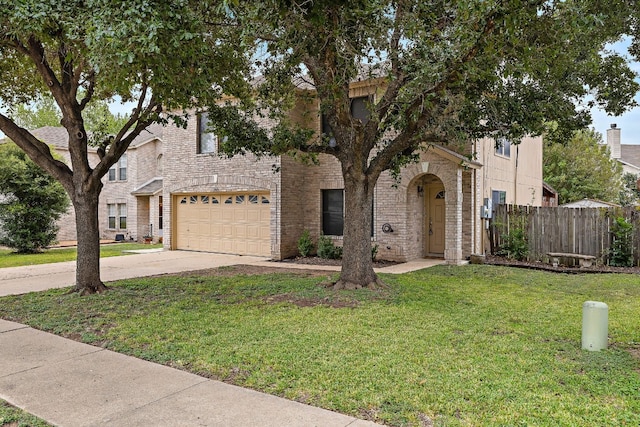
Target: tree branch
{"type": "Point", "coordinates": [37, 151]}
{"type": "Point", "coordinates": [142, 118]}
{"type": "Point", "coordinates": [91, 78]}
{"type": "Point", "coordinates": [35, 51]}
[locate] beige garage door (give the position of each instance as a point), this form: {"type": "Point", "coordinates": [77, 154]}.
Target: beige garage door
{"type": "Point", "coordinates": [235, 223]}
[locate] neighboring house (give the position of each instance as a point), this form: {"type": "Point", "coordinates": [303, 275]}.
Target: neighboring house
{"type": "Point", "coordinates": [251, 206]}
{"type": "Point", "coordinates": [130, 205]}
{"type": "Point", "coordinates": [628, 155]}
{"type": "Point", "coordinates": [57, 138]}
{"type": "Point", "coordinates": [131, 199]}
{"type": "Point", "coordinates": [589, 203]}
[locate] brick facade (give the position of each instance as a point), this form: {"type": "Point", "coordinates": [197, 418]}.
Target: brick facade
{"type": "Point", "coordinates": [296, 189]}
{"type": "Point", "coordinates": [144, 164]}
{"type": "Point", "coordinates": [186, 171]}
{"type": "Point", "coordinates": [170, 160]}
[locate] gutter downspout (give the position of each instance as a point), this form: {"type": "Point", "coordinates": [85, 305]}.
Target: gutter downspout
{"type": "Point", "coordinates": [515, 180]}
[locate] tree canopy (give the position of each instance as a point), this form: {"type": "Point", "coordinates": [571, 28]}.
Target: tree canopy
{"type": "Point", "coordinates": [160, 55]}
{"type": "Point", "coordinates": [43, 112]}
{"type": "Point", "coordinates": [442, 72]}
{"type": "Point", "coordinates": [630, 194]}
{"type": "Point", "coordinates": [582, 168]}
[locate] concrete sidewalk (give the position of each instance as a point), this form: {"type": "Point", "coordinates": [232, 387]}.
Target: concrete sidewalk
{"type": "Point", "coordinates": [73, 384]}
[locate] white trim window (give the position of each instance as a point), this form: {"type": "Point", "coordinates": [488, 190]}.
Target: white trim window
{"type": "Point", "coordinates": [498, 197]}
{"type": "Point", "coordinates": [117, 216]}
{"type": "Point", "coordinates": [207, 140]}
{"type": "Point", "coordinates": [122, 217]}
{"type": "Point", "coordinates": [503, 147]}
{"type": "Point", "coordinates": [118, 171]}
{"type": "Point", "coordinates": [111, 213]}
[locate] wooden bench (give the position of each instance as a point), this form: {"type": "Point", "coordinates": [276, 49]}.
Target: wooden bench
{"type": "Point", "coordinates": [585, 260]}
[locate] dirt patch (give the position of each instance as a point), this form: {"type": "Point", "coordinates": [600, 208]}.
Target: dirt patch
{"type": "Point", "coordinates": [635, 353]}
{"type": "Point", "coordinates": [539, 265]}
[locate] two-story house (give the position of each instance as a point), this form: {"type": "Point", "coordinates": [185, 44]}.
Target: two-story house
{"type": "Point", "coordinates": [130, 204]}
{"type": "Point", "coordinates": [251, 206]}
{"type": "Point", "coordinates": [131, 199]}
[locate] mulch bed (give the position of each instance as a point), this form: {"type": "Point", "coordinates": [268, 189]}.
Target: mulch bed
{"type": "Point", "coordinates": [539, 265]}
{"type": "Point", "coordinates": [314, 260]}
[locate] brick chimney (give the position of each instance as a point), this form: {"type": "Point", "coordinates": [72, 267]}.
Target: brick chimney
{"type": "Point", "coordinates": [613, 141]}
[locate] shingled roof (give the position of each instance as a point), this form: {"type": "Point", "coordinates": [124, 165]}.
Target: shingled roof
{"type": "Point", "coordinates": [57, 136]}
{"type": "Point", "coordinates": [630, 154]}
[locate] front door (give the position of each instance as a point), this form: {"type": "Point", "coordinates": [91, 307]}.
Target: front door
{"type": "Point", "coordinates": [435, 220]}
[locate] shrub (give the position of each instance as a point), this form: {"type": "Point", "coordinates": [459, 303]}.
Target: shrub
{"type": "Point", "coordinates": [305, 245]}
{"type": "Point", "coordinates": [31, 202]}
{"type": "Point", "coordinates": [515, 245]}
{"type": "Point", "coordinates": [327, 250]}
{"type": "Point", "coordinates": [621, 250]}
{"type": "Point", "coordinates": [374, 252]}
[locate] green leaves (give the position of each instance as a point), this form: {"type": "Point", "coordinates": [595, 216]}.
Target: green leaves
{"type": "Point", "coordinates": [451, 70]}
{"type": "Point", "coordinates": [32, 202]}
{"type": "Point", "coordinates": [581, 168]}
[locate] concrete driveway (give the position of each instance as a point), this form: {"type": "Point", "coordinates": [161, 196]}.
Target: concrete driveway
{"type": "Point", "coordinates": [20, 280]}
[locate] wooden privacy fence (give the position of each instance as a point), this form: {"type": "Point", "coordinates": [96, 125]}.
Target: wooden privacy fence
{"type": "Point", "coordinates": [584, 231]}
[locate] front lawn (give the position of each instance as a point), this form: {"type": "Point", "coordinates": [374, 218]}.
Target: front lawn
{"type": "Point", "coordinates": [9, 258]}
{"type": "Point", "coordinates": [445, 346]}
{"type": "Point", "coordinates": [10, 416]}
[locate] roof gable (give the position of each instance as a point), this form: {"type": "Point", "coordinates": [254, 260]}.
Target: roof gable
{"type": "Point", "coordinates": [630, 154]}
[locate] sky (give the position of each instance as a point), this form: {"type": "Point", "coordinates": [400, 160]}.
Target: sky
{"type": "Point", "coordinates": [628, 123]}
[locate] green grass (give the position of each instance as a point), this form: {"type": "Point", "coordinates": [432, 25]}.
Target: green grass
{"type": "Point", "coordinates": [451, 346]}
{"type": "Point", "coordinates": [12, 259]}
{"type": "Point", "coordinates": [14, 417]}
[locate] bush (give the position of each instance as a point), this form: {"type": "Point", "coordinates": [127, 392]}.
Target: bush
{"type": "Point", "coordinates": [374, 252]}
{"type": "Point", "coordinates": [31, 202]}
{"type": "Point", "coordinates": [305, 245]}
{"type": "Point", "coordinates": [621, 250]}
{"type": "Point", "coordinates": [327, 250]}
{"type": "Point", "coordinates": [515, 245]}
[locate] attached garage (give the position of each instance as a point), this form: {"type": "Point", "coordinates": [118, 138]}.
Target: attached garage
{"type": "Point", "coordinates": [234, 223]}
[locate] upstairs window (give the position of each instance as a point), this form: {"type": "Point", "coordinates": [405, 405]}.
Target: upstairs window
{"type": "Point", "coordinates": [118, 171]}
{"type": "Point", "coordinates": [359, 110]}
{"type": "Point", "coordinates": [503, 147]}
{"type": "Point", "coordinates": [207, 140]}
{"type": "Point", "coordinates": [122, 167]}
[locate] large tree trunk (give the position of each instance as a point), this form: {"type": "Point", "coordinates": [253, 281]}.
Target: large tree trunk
{"type": "Point", "coordinates": [357, 264]}
{"type": "Point", "coordinates": [88, 260]}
